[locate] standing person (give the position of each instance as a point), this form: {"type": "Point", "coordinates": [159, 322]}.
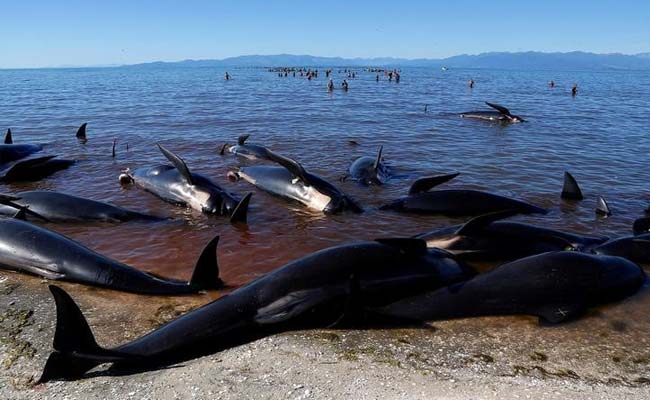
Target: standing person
{"type": "Point", "coordinates": [227, 76]}
{"type": "Point", "coordinates": [551, 84]}
{"type": "Point", "coordinates": [574, 90]}
{"type": "Point", "coordinates": [470, 83]}
{"type": "Point", "coordinates": [344, 85]}
{"type": "Point", "coordinates": [377, 78]}
{"type": "Point", "coordinates": [397, 77]}
{"type": "Point", "coordinates": [330, 85]}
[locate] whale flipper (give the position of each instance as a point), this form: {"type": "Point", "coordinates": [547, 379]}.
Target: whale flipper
{"type": "Point", "coordinates": [178, 163]}
{"type": "Point", "coordinates": [602, 208]}
{"type": "Point", "coordinates": [480, 222]}
{"type": "Point", "coordinates": [241, 140]}
{"type": "Point", "coordinates": [206, 271]}
{"type": "Point", "coordinates": [10, 201]}
{"type": "Point", "coordinates": [75, 348]}
{"type": "Point", "coordinates": [426, 183]}
{"type": "Point", "coordinates": [499, 108]}
{"type": "Point", "coordinates": [571, 190]}
{"type": "Point", "coordinates": [292, 305]}
{"type": "Point", "coordinates": [293, 166]}
{"type": "Point", "coordinates": [378, 159]}
{"type": "Point", "coordinates": [81, 132]}
{"type": "Point", "coordinates": [8, 138]}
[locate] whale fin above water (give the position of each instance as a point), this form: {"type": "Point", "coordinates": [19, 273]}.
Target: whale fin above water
{"type": "Point", "coordinates": [602, 208]}
{"type": "Point", "coordinates": [378, 159]}
{"type": "Point", "coordinates": [178, 163]}
{"type": "Point", "coordinates": [81, 132]}
{"type": "Point", "coordinates": [241, 211]}
{"type": "Point", "coordinates": [424, 184]}
{"type": "Point", "coordinates": [241, 140]}
{"type": "Point", "coordinates": [206, 271]}
{"type": "Point", "coordinates": [477, 224]}
{"type": "Point", "coordinates": [8, 138]}
{"type": "Point", "coordinates": [113, 150]}
{"type": "Point", "coordinates": [570, 189]}
{"type": "Point", "coordinates": [407, 246]}
{"type": "Point", "coordinates": [223, 149]}
{"type": "Point", "coordinates": [499, 108]}
{"type": "Point", "coordinates": [75, 348]}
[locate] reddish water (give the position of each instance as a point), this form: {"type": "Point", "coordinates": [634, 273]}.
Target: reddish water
{"type": "Point", "coordinates": [193, 111]}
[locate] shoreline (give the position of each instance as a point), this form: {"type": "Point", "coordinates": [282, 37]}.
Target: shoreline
{"type": "Point", "coordinates": [491, 357]}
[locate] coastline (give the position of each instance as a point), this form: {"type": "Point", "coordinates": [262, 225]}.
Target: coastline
{"type": "Point", "coordinates": [495, 357]}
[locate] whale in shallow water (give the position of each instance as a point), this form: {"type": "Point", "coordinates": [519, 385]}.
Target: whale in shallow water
{"type": "Point", "coordinates": [247, 151]}
{"type": "Point", "coordinates": [331, 287]}
{"type": "Point", "coordinates": [62, 207]}
{"type": "Point", "coordinates": [368, 170]}
{"type": "Point", "coordinates": [28, 248]}
{"type": "Point", "coordinates": [455, 201]}
{"type": "Point", "coordinates": [176, 184]}
{"type": "Point", "coordinates": [635, 248]}
{"type": "Point", "coordinates": [33, 169]}
{"type": "Point", "coordinates": [291, 181]}
{"type": "Point", "coordinates": [486, 238]}
{"type": "Point", "coordinates": [501, 114]}
{"type": "Point", "coordinates": [555, 286]}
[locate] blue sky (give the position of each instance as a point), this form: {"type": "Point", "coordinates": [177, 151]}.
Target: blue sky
{"type": "Point", "coordinates": [53, 33]}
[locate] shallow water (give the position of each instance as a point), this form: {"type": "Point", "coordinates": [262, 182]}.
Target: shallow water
{"type": "Point", "coordinates": [601, 136]}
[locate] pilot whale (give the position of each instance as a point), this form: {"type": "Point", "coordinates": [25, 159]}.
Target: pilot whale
{"type": "Point", "coordinates": [455, 201]}
{"type": "Point", "coordinates": [28, 248]}
{"type": "Point", "coordinates": [556, 287]}
{"type": "Point", "coordinates": [291, 181]}
{"type": "Point", "coordinates": [486, 238]}
{"type": "Point", "coordinates": [176, 184]}
{"type": "Point", "coordinates": [501, 114]}
{"type": "Point", "coordinates": [244, 150]}
{"type": "Point", "coordinates": [368, 170]}
{"type": "Point", "coordinates": [62, 207]}
{"type": "Point", "coordinates": [331, 287]}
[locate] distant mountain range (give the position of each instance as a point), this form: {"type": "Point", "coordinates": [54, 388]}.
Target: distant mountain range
{"type": "Point", "coordinates": [576, 60]}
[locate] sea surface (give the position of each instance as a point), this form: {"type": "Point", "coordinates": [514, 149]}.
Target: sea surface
{"type": "Point", "coordinates": [602, 136]}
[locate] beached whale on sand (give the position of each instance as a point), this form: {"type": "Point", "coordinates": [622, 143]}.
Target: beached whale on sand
{"type": "Point", "coordinates": [487, 238]}
{"type": "Point", "coordinates": [25, 247]}
{"type": "Point", "coordinates": [635, 248]}
{"type": "Point", "coordinates": [501, 114]}
{"type": "Point", "coordinates": [369, 170]}
{"type": "Point", "coordinates": [291, 181]}
{"type": "Point", "coordinates": [176, 184]}
{"type": "Point", "coordinates": [455, 201]}
{"type": "Point", "coordinates": [62, 207]}
{"type": "Point", "coordinates": [555, 286]}
{"type": "Point", "coordinates": [244, 150]}
{"type": "Point", "coordinates": [328, 288]}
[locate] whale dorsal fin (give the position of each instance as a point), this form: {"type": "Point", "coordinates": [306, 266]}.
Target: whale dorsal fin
{"type": "Point", "coordinates": [641, 225]}
{"type": "Point", "coordinates": [570, 189]}
{"type": "Point", "coordinates": [241, 211]}
{"type": "Point", "coordinates": [113, 150]}
{"type": "Point", "coordinates": [178, 163]}
{"type": "Point", "coordinates": [602, 208]}
{"type": "Point", "coordinates": [81, 132]}
{"type": "Point", "coordinates": [499, 108]}
{"type": "Point", "coordinates": [426, 183]}
{"type": "Point", "coordinates": [292, 165]}
{"type": "Point", "coordinates": [206, 270]}
{"type": "Point", "coordinates": [241, 140]}
{"type": "Point", "coordinates": [407, 246]}
{"type": "Point", "coordinates": [223, 149]}
{"type": "Point", "coordinates": [21, 214]}
{"type": "Point", "coordinates": [378, 159]}
{"type": "Point", "coordinates": [8, 138]}
{"type": "Point", "coordinates": [476, 224]}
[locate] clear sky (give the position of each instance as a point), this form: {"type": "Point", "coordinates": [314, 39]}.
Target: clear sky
{"type": "Point", "coordinates": [53, 33]}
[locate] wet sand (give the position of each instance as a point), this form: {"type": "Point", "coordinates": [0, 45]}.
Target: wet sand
{"type": "Point", "coordinates": [604, 355]}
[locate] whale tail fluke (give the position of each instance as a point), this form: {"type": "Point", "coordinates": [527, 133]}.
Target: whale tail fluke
{"type": "Point", "coordinates": [206, 271]}
{"type": "Point", "coordinates": [75, 349]}
{"type": "Point", "coordinates": [571, 190]}
{"type": "Point", "coordinates": [240, 213]}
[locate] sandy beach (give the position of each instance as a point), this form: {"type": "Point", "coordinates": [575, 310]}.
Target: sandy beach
{"type": "Point", "coordinates": [482, 358]}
